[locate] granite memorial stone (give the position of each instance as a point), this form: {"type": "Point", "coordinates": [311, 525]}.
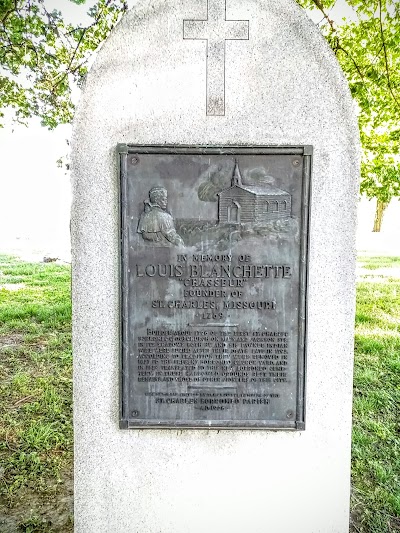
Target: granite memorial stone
{"type": "Point", "coordinates": [213, 294]}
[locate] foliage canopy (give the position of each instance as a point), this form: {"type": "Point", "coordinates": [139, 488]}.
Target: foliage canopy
{"type": "Point", "coordinates": [41, 56]}
{"type": "Point", "coordinates": [368, 50]}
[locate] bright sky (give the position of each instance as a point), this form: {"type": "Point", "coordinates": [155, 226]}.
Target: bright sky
{"type": "Point", "coordinates": [35, 194]}
{"type": "Point", "coordinates": [73, 13]}
{"type": "Point", "coordinates": [339, 11]}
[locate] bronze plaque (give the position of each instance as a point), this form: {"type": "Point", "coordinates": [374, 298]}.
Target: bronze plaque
{"type": "Point", "coordinates": [214, 247]}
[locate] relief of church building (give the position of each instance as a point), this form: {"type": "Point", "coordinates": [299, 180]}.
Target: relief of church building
{"type": "Point", "coordinates": [240, 203]}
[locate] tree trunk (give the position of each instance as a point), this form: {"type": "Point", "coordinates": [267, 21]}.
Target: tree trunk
{"type": "Point", "coordinates": [380, 209]}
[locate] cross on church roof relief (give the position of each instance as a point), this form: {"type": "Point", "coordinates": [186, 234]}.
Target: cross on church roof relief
{"type": "Point", "coordinates": [216, 30]}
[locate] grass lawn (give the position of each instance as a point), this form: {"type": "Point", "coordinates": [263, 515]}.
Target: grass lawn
{"type": "Point", "coordinates": [35, 398]}
{"type": "Point", "coordinates": [36, 392]}
{"type": "Point", "coordinates": [376, 407]}
{"type": "Point", "coordinates": [373, 263]}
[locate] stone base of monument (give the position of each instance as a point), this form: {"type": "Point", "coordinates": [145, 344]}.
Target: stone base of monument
{"type": "Point", "coordinates": [213, 293]}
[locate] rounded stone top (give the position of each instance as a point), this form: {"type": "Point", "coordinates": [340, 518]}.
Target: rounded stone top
{"type": "Point", "coordinates": [264, 76]}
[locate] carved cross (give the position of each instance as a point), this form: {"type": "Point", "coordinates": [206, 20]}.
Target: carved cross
{"type": "Point", "coordinates": [216, 30]}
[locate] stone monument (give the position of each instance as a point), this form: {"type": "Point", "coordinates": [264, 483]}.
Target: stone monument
{"type": "Point", "coordinates": [213, 294]}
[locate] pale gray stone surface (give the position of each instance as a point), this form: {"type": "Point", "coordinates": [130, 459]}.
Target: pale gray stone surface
{"type": "Point", "coordinates": [148, 86]}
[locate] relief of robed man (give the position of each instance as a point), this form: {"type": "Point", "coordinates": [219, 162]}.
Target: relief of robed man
{"type": "Point", "coordinates": [156, 225]}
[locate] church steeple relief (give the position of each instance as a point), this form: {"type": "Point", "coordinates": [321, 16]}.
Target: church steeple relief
{"type": "Point", "coordinates": [236, 176]}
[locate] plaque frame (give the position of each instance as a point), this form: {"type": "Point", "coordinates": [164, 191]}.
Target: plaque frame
{"type": "Point", "coordinates": [127, 420]}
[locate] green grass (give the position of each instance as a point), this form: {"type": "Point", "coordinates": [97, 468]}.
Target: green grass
{"type": "Point", "coordinates": [376, 406]}
{"type": "Point", "coordinates": [35, 399]}
{"type": "Point", "coordinates": [373, 263]}
{"type": "Point", "coordinates": [35, 388]}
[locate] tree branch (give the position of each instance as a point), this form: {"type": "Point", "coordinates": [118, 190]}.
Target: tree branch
{"type": "Point", "coordinates": [84, 30]}
{"type": "Point", "coordinates": [8, 13]}
{"type": "Point", "coordinates": [320, 6]}
{"type": "Point", "coordinates": [339, 47]}
{"type": "Point", "coordinates": [53, 25]}
{"type": "Point", "coordinates": [358, 69]}
{"type": "Point", "coordinates": [386, 56]}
